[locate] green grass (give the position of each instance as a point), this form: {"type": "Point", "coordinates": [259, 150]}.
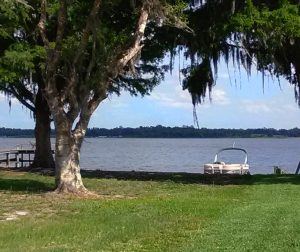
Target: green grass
{"type": "Point", "coordinates": [167, 213]}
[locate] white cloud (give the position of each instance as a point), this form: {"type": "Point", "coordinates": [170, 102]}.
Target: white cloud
{"type": "Point", "coordinates": [119, 104]}
{"type": "Point", "coordinates": [256, 107]}
{"type": "Point", "coordinates": [176, 99]}
{"type": "Point", "coordinates": [115, 101]}
{"type": "Point", "coordinates": [223, 76]}
{"type": "Point", "coordinates": [219, 97]}
{"type": "Point", "coordinates": [268, 106]}
{"type": "Point", "coordinates": [290, 108]}
{"type": "Point", "coordinates": [2, 97]}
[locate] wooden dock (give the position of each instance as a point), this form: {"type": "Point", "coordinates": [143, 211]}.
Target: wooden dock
{"type": "Point", "coordinates": [17, 157]}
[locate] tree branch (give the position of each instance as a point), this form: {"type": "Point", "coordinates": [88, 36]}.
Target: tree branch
{"type": "Point", "coordinates": [54, 54]}
{"type": "Point", "coordinates": [92, 61]}
{"type": "Point", "coordinates": [61, 20]}
{"type": "Point", "coordinates": [120, 61]}
{"type": "Point", "coordinates": [69, 90]}
{"type": "Point", "coordinates": [41, 24]}
{"type": "Point", "coordinates": [86, 30]}
{"type": "Point", "coordinates": [124, 57]}
{"type": "Point", "coordinates": [24, 92]}
{"type": "Point", "coordinates": [21, 99]}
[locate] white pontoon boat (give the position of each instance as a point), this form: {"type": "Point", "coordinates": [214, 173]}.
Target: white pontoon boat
{"type": "Point", "coordinates": [218, 167]}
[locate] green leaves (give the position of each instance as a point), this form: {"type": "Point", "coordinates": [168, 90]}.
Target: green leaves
{"type": "Point", "coordinates": [267, 32]}
{"type": "Point", "coordinates": [271, 33]}
{"type": "Point", "coordinates": [13, 14]}
{"type": "Point", "coordinates": [267, 24]}
{"type": "Point", "coordinates": [19, 56]}
{"type": "Point", "coordinates": [18, 60]}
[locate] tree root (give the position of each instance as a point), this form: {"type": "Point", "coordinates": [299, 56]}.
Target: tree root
{"type": "Point", "coordinates": [71, 190]}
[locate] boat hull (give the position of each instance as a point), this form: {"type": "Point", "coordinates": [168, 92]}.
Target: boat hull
{"type": "Point", "coordinates": [222, 168]}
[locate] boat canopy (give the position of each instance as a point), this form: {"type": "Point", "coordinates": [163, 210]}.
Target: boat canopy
{"type": "Point", "coordinates": [232, 149]}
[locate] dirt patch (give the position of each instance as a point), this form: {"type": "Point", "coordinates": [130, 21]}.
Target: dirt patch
{"type": "Point", "coordinates": [13, 215]}
{"type": "Point", "coordinates": [89, 195]}
{"type": "Point", "coordinates": [10, 172]}
{"type": "Point", "coordinates": [16, 206]}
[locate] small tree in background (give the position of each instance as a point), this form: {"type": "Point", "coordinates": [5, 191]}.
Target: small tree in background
{"type": "Point", "coordinates": [20, 72]}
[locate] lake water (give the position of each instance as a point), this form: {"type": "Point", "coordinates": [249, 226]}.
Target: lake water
{"type": "Point", "coordinates": [180, 155]}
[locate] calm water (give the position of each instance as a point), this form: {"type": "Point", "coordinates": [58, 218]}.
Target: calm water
{"type": "Point", "coordinates": [186, 155]}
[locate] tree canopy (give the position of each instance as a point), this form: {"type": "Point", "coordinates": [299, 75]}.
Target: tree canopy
{"type": "Point", "coordinates": [253, 34]}
{"type": "Point", "coordinates": [91, 49]}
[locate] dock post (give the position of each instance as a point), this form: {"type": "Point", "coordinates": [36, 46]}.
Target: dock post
{"type": "Point", "coordinates": [17, 159]}
{"type": "Point", "coordinates": [22, 158]}
{"type": "Point", "coordinates": [298, 169]}
{"type": "Point", "coordinates": [7, 159]}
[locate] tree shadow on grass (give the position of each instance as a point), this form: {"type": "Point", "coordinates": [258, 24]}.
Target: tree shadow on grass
{"type": "Point", "coordinates": [23, 185]}
{"type": "Point", "coordinates": [35, 186]}
{"type": "Point", "coordinates": [276, 179]}
{"type": "Point", "coordinates": [195, 178]}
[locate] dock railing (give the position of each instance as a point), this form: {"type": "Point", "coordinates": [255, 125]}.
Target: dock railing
{"type": "Point", "coordinates": [19, 156]}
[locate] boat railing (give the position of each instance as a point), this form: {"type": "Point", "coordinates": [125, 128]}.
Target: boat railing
{"type": "Point", "coordinates": [232, 149]}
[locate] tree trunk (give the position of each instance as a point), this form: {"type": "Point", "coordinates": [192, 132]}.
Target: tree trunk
{"type": "Point", "coordinates": [67, 155]}
{"type": "Point", "coordinates": [43, 157]}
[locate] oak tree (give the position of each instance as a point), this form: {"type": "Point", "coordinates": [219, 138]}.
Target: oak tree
{"type": "Point", "coordinates": [92, 48]}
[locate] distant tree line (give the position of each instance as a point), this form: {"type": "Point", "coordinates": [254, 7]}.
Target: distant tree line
{"type": "Point", "coordinates": [8, 132]}
{"type": "Point", "coordinates": [168, 132]}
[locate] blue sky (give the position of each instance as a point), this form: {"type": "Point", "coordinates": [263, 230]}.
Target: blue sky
{"type": "Point", "coordinates": [237, 102]}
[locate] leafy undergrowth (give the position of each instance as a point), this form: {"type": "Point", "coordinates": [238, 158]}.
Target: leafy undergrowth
{"type": "Point", "coordinates": [260, 213]}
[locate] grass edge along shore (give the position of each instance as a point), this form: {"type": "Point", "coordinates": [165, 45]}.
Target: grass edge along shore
{"type": "Point", "coordinates": [158, 212]}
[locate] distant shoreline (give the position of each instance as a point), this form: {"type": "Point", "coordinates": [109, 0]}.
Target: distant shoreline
{"type": "Point", "coordinates": [161, 137]}
{"type": "Point", "coordinates": [166, 132]}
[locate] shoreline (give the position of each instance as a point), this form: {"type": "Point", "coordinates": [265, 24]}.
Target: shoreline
{"type": "Point", "coordinates": [176, 177]}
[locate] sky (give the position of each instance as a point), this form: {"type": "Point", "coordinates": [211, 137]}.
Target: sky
{"type": "Point", "coordinates": [238, 101]}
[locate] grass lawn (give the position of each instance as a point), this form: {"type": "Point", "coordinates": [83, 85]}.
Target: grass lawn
{"type": "Point", "coordinates": [168, 213]}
